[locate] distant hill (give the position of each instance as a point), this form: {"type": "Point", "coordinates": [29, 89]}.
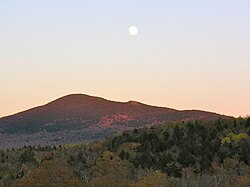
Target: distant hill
{"type": "Point", "coordinates": [80, 117]}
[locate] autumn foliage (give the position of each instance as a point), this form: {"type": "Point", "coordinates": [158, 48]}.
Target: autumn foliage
{"type": "Point", "coordinates": [215, 153]}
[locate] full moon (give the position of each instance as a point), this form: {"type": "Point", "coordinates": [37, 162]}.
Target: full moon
{"type": "Point", "coordinates": [133, 30]}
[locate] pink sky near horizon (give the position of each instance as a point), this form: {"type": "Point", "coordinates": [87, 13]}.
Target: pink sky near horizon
{"type": "Point", "coordinates": [187, 55]}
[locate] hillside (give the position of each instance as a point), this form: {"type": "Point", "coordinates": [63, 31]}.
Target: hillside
{"type": "Point", "coordinates": [80, 117]}
{"type": "Point", "coordinates": [214, 153]}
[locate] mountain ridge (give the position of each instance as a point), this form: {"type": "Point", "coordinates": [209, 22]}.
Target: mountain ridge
{"type": "Point", "coordinates": [81, 117]}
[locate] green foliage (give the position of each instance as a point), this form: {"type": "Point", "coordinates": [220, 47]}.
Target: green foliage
{"type": "Point", "coordinates": [225, 140]}
{"type": "Point", "coordinates": [27, 156]}
{"type": "Point", "coordinates": [213, 153]}
{"type": "Point", "coordinates": [233, 138]}
{"type": "Point", "coordinates": [229, 163]}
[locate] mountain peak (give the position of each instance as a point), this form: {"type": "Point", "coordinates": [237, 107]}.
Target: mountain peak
{"type": "Point", "coordinates": [135, 103]}
{"type": "Point", "coordinates": [75, 99]}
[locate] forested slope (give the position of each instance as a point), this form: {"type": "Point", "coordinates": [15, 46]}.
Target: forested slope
{"type": "Point", "coordinates": [215, 153]}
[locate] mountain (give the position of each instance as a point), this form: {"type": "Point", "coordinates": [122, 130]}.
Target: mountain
{"type": "Point", "coordinates": [79, 117]}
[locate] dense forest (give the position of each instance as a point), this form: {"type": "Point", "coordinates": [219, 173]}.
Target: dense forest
{"type": "Point", "coordinates": [195, 154]}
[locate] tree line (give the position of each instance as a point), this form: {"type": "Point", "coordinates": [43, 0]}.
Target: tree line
{"type": "Point", "coordinates": [194, 153]}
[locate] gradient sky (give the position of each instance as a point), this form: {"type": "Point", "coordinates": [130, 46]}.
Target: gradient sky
{"type": "Point", "coordinates": [188, 54]}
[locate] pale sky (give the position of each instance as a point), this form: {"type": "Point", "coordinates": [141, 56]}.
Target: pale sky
{"type": "Point", "coordinates": [187, 55]}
